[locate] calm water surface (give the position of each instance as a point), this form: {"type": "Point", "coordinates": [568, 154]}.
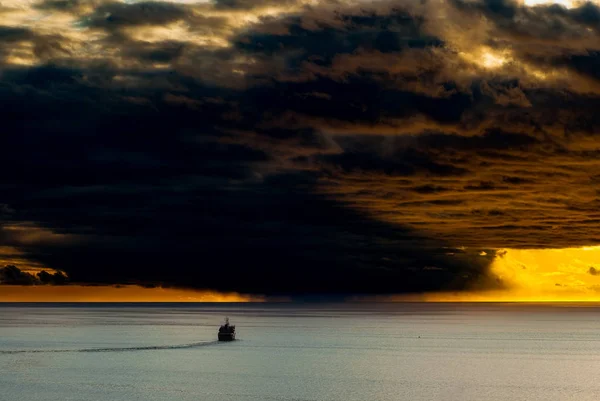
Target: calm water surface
{"type": "Point", "coordinates": [359, 352]}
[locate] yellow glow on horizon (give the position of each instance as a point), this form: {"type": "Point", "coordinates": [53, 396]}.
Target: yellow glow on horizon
{"type": "Point", "coordinates": [535, 275]}
{"type": "Point", "coordinates": [570, 273]}
{"type": "Point", "coordinates": [129, 293]}
{"type": "Point", "coordinates": [504, 296]}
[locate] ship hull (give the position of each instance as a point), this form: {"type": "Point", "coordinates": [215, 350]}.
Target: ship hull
{"type": "Point", "coordinates": [226, 337]}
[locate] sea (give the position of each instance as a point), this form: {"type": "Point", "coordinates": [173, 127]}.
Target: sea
{"type": "Point", "coordinates": [300, 352]}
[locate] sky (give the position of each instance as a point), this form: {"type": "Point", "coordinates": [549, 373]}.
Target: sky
{"type": "Point", "coordinates": [295, 147]}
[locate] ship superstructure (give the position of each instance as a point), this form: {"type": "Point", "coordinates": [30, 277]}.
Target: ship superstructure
{"type": "Point", "coordinates": [227, 331]}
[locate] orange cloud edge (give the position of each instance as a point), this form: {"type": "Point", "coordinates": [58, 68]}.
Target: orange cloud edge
{"type": "Point", "coordinates": [138, 294]}
{"type": "Point", "coordinates": [125, 293]}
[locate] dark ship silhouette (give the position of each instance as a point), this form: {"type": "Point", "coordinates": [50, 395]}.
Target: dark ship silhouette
{"type": "Point", "coordinates": [226, 331]}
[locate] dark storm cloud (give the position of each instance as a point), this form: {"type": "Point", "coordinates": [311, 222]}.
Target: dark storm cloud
{"type": "Point", "coordinates": [586, 64]}
{"type": "Point", "coordinates": [331, 148]}
{"type": "Point", "coordinates": [11, 34]}
{"type": "Point", "coordinates": [400, 163]}
{"type": "Point", "coordinates": [115, 15]}
{"type": "Point", "coordinates": [159, 194]}
{"type": "Point", "coordinates": [43, 45]}
{"type": "Point", "coordinates": [64, 5]}
{"type": "Point", "coordinates": [545, 21]}
{"type": "Point", "coordinates": [548, 35]}
{"type": "Point", "coordinates": [346, 33]}
{"type": "Point", "coordinates": [12, 275]}
{"type": "Point", "coordinates": [165, 52]}
{"type": "Point", "coordinates": [273, 237]}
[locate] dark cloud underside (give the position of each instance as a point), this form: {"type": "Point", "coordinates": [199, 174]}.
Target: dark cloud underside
{"type": "Point", "coordinates": [290, 147]}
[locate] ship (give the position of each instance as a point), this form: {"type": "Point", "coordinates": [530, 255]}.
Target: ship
{"type": "Point", "coordinates": [227, 331]}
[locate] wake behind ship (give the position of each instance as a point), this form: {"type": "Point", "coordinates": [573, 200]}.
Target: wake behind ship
{"type": "Point", "coordinates": [227, 331]}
